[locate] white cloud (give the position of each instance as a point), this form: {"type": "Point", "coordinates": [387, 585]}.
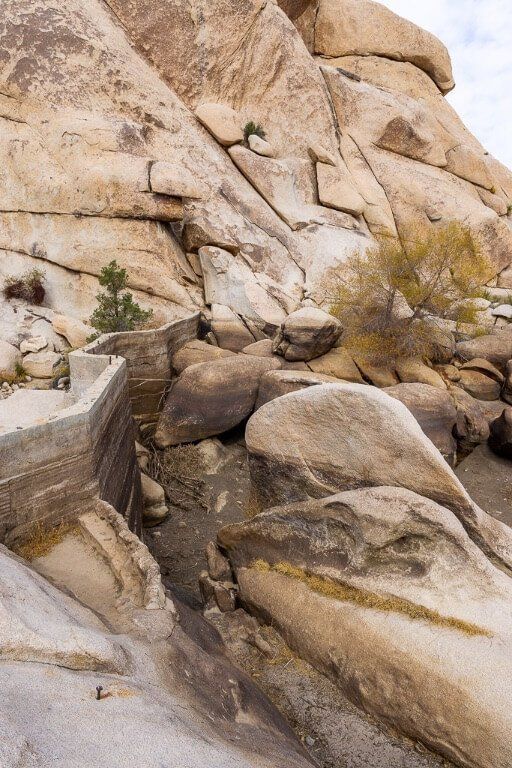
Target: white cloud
{"type": "Point", "coordinates": [478, 34]}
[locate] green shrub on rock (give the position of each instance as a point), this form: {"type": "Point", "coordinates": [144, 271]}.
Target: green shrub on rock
{"type": "Point", "coordinates": [254, 129]}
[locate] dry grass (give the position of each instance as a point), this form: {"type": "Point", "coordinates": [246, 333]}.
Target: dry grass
{"type": "Point", "coordinates": [43, 539]}
{"type": "Point", "coordinates": [344, 592]}
{"type": "Point", "coordinates": [252, 505]}
{"type": "Point", "coordinates": [179, 470]}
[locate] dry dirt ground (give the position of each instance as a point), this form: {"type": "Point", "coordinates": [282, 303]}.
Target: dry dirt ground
{"type": "Point", "coordinates": [488, 480]}
{"type": "Point", "coordinates": [336, 734]}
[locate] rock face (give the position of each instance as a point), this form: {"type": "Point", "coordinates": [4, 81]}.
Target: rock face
{"type": "Point", "coordinates": [495, 348]}
{"type": "Point", "coordinates": [9, 357]}
{"type": "Point", "coordinates": [210, 398]}
{"type": "Point", "coordinates": [337, 363]}
{"type": "Point", "coordinates": [41, 365]}
{"type": "Point", "coordinates": [57, 636]}
{"type": "Point", "coordinates": [278, 383]}
{"type": "Point", "coordinates": [306, 334]}
{"type": "Point", "coordinates": [334, 437]}
{"type": "Point", "coordinates": [195, 352]}
{"type": "Point", "coordinates": [97, 166]}
{"type": "Point", "coordinates": [363, 27]}
{"type": "Point", "coordinates": [229, 330]}
{"type": "Point", "coordinates": [222, 122]}
{"type": "Point", "coordinates": [72, 329]}
{"type": "Point", "coordinates": [414, 370]}
{"type": "Point", "coordinates": [403, 606]}
{"type": "Point", "coordinates": [50, 642]}
{"type": "Point", "coordinates": [479, 385]}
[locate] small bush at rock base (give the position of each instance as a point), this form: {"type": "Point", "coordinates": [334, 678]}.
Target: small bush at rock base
{"type": "Point", "coordinates": [179, 469]}
{"type": "Point", "coordinates": [28, 286]}
{"type": "Point", "coordinates": [20, 371]}
{"type": "Point", "coordinates": [254, 129]}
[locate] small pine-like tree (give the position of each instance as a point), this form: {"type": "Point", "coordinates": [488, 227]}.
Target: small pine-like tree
{"type": "Point", "coordinates": [387, 298]}
{"type": "Point", "coordinates": [116, 309]}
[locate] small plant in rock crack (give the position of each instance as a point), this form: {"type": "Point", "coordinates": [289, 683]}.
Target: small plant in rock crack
{"type": "Point", "coordinates": [116, 309]}
{"type": "Point", "coordinates": [28, 286]}
{"type": "Point", "coordinates": [254, 129]}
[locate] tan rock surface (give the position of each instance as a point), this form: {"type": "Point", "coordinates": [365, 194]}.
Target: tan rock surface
{"type": "Point", "coordinates": [336, 190]}
{"type": "Point", "coordinates": [229, 330]}
{"type": "Point", "coordinates": [195, 352]}
{"type": "Point", "coordinates": [222, 122]}
{"type": "Point", "coordinates": [412, 370]}
{"type": "Point", "coordinates": [479, 385]}
{"type": "Point", "coordinates": [363, 27]}
{"type": "Point", "coordinates": [9, 357]}
{"type": "Point", "coordinates": [434, 410]}
{"type": "Point", "coordinates": [74, 331]}
{"type": "Point", "coordinates": [338, 363]}
{"type": "Point", "coordinates": [278, 383]}
{"type": "Point", "coordinates": [496, 348]}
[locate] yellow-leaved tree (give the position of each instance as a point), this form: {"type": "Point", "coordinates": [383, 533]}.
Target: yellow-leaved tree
{"type": "Point", "coordinates": [388, 298]}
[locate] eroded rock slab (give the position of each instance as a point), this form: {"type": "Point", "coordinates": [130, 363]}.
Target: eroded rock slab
{"type": "Point", "coordinates": [383, 591]}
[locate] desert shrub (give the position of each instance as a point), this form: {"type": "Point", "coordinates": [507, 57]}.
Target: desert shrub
{"type": "Point", "coordinates": [387, 297]}
{"type": "Point", "coordinates": [20, 371]}
{"type": "Point", "coordinates": [28, 286]}
{"type": "Point", "coordinates": [179, 469]}
{"type": "Point", "coordinates": [116, 309]}
{"type": "Point", "coordinates": [252, 129]}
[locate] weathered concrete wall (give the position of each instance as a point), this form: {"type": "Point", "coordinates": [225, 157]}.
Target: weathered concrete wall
{"type": "Point", "coordinates": [148, 358]}
{"type": "Point", "coordinates": [57, 469]}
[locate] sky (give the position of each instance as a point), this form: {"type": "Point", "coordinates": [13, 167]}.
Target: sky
{"type": "Point", "coordinates": [478, 34]}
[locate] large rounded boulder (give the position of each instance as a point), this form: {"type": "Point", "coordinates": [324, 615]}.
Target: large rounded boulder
{"type": "Point", "coordinates": [211, 398]}
{"type": "Point", "coordinates": [334, 437]}
{"type": "Point", "coordinates": [306, 334]}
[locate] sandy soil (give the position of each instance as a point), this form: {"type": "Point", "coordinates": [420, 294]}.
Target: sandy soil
{"type": "Point", "coordinates": [488, 480]}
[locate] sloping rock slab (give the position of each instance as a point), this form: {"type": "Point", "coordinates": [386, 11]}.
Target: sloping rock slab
{"type": "Point", "coordinates": [383, 591]}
